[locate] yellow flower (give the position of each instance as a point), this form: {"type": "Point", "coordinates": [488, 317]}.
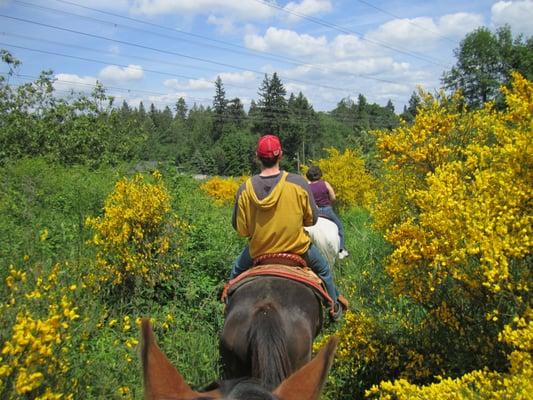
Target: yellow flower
{"type": "Point", "coordinates": [43, 235]}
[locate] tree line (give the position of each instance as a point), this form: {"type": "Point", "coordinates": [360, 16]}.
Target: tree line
{"type": "Point", "coordinates": [219, 139]}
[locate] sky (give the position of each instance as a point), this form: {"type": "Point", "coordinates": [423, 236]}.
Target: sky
{"type": "Point", "coordinates": [156, 51]}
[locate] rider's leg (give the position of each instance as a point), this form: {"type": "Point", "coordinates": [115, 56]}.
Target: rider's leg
{"type": "Point", "coordinates": [242, 263]}
{"type": "Point", "coordinates": [318, 263]}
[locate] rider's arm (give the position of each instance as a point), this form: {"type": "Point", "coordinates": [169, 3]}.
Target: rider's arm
{"type": "Point", "coordinates": [238, 219]}
{"type": "Point", "coordinates": [330, 191]}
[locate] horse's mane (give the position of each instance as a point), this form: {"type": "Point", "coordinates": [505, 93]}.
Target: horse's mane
{"type": "Point", "coordinates": [269, 353]}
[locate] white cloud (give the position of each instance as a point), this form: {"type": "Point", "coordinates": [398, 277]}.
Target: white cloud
{"type": "Point", "coordinates": [223, 24]}
{"type": "Point", "coordinates": [307, 7]}
{"type": "Point", "coordinates": [518, 14]}
{"type": "Point", "coordinates": [114, 73]}
{"type": "Point", "coordinates": [459, 24]}
{"type": "Point", "coordinates": [74, 82]}
{"type": "Point", "coordinates": [368, 66]}
{"type": "Point", "coordinates": [191, 84]}
{"type": "Point", "coordinates": [249, 9]}
{"type": "Point", "coordinates": [238, 78]}
{"type": "Point", "coordinates": [423, 33]}
{"type": "Point", "coordinates": [287, 41]}
{"type": "Point", "coordinates": [295, 87]}
{"type": "Point", "coordinates": [350, 46]}
{"type": "Point", "coordinates": [245, 79]}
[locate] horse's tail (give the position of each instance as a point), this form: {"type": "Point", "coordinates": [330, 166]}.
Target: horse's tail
{"type": "Point", "coordinates": [268, 347]}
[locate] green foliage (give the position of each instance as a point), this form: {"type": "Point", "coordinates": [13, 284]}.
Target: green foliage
{"type": "Point", "coordinates": [86, 130]}
{"type": "Point", "coordinates": [36, 195]}
{"type": "Point", "coordinates": [43, 207]}
{"type": "Point", "coordinates": [485, 61]}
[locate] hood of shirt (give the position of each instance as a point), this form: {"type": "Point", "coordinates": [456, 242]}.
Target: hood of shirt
{"type": "Point", "coordinates": [272, 198]}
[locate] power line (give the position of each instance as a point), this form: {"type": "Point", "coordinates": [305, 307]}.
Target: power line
{"type": "Point", "coordinates": [123, 66]}
{"type": "Point", "coordinates": [176, 30]}
{"type": "Point", "coordinates": [350, 31]}
{"type": "Point", "coordinates": [274, 57]}
{"type": "Point", "coordinates": [125, 55]}
{"type": "Point", "coordinates": [73, 46]}
{"type": "Point", "coordinates": [188, 56]}
{"type": "Point", "coordinates": [258, 53]}
{"type": "Point", "coordinates": [269, 56]}
{"type": "Point", "coordinates": [107, 63]}
{"type": "Point", "coordinates": [290, 60]}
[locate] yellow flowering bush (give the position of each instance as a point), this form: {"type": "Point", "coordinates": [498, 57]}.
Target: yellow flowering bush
{"type": "Point", "coordinates": [456, 205]}
{"type": "Point", "coordinates": [366, 353]}
{"type": "Point", "coordinates": [223, 190]}
{"type": "Point", "coordinates": [346, 172]}
{"type": "Point", "coordinates": [411, 152]}
{"type": "Point", "coordinates": [472, 225]}
{"type": "Point", "coordinates": [135, 235]}
{"type": "Point", "coordinates": [517, 383]}
{"type": "Point", "coordinates": [32, 359]}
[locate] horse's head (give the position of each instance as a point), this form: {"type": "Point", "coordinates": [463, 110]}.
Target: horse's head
{"type": "Point", "coordinates": [163, 382]}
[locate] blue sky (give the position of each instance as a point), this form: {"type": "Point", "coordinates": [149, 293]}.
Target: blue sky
{"type": "Point", "coordinates": [159, 50]}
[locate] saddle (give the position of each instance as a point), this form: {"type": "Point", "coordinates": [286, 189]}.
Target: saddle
{"type": "Point", "coordinates": [285, 265]}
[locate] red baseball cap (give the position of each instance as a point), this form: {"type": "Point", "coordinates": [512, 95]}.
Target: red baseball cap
{"type": "Point", "coordinates": [268, 146]}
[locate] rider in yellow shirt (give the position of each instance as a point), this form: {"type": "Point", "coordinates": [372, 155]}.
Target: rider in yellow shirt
{"type": "Point", "coordinates": [271, 210]}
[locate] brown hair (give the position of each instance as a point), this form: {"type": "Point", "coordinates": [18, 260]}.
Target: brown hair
{"type": "Point", "coordinates": [314, 173]}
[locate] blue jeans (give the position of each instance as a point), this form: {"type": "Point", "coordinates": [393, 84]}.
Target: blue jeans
{"type": "Point", "coordinates": [330, 214]}
{"type": "Point", "coordinates": [314, 259]}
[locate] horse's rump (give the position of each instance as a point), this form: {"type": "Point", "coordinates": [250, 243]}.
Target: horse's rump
{"type": "Point", "coordinates": [269, 329]}
{"type": "Point", "coordinates": [325, 235]}
{"type": "Point", "coordinates": [298, 274]}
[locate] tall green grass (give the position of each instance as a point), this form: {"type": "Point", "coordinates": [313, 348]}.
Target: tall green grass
{"type": "Point", "coordinates": [38, 196]}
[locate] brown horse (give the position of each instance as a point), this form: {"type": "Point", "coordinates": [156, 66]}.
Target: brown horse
{"type": "Point", "coordinates": [269, 329]}
{"type": "Point", "coordinates": [163, 382]}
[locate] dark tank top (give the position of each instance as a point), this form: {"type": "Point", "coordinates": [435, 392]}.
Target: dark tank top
{"type": "Point", "coordinates": [320, 193]}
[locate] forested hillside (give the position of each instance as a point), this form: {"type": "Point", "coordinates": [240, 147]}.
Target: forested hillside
{"type": "Point", "coordinates": [208, 140]}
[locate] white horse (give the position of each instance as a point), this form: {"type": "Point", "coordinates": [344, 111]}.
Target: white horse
{"type": "Point", "coordinates": [325, 235]}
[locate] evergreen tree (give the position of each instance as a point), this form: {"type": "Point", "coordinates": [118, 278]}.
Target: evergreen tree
{"type": "Point", "coordinates": [165, 119]}
{"type": "Point", "coordinates": [362, 114]}
{"type": "Point", "coordinates": [409, 111]}
{"type": "Point", "coordinates": [125, 110]}
{"type": "Point", "coordinates": [219, 109]}
{"type": "Point", "coordinates": [181, 109]}
{"type": "Point", "coordinates": [303, 129]}
{"type": "Point", "coordinates": [141, 112]}
{"type": "Point", "coordinates": [345, 112]}
{"type": "Point", "coordinates": [253, 112]}
{"type": "Point", "coordinates": [390, 106]}
{"type": "Point", "coordinates": [236, 113]}
{"type": "Point", "coordinates": [238, 148]}
{"type": "Point", "coordinates": [272, 116]}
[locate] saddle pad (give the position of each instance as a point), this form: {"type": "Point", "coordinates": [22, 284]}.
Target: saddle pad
{"type": "Point", "coordinates": [303, 275]}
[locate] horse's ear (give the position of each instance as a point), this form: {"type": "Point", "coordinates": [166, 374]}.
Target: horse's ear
{"type": "Point", "coordinates": [161, 379]}
{"type": "Point", "coordinates": [307, 382]}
